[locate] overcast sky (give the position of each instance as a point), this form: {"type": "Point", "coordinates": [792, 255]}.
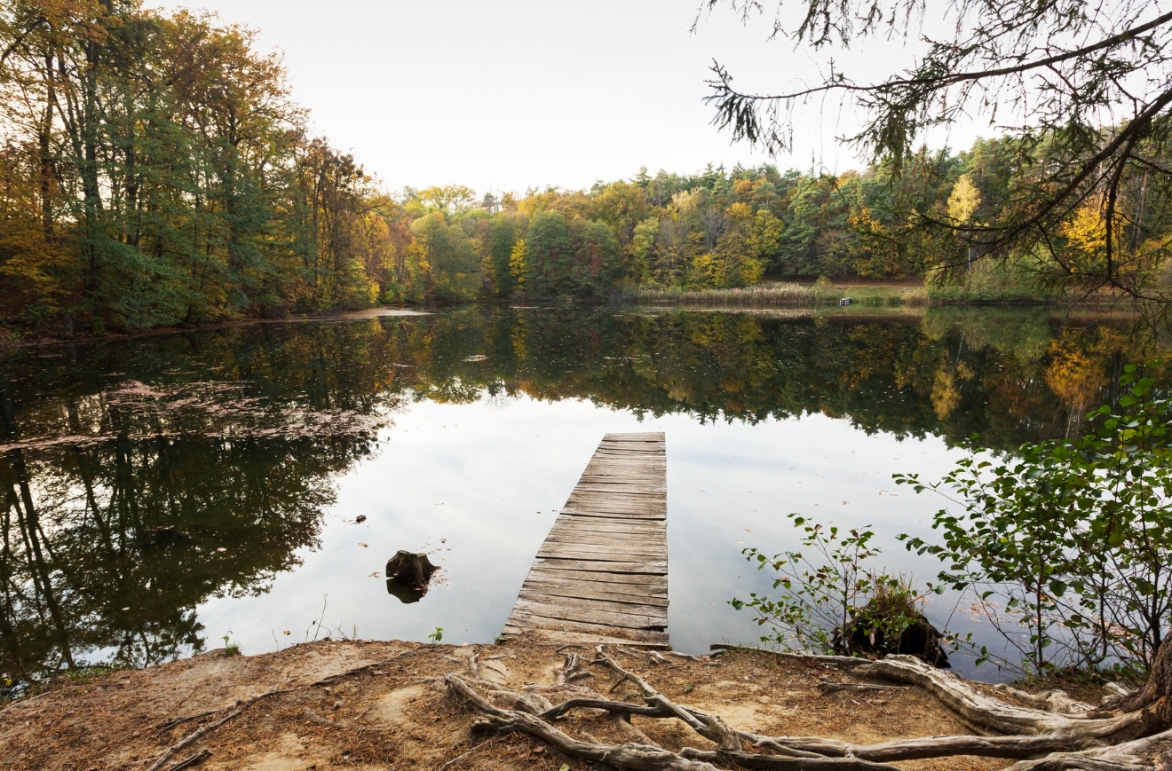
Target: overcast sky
{"type": "Point", "coordinates": [513, 94]}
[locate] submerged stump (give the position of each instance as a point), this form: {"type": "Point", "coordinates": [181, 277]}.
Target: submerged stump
{"type": "Point", "coordinates": [408, 576]}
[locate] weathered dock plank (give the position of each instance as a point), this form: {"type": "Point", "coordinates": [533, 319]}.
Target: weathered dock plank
{"type": "Point", "coordinates": [601, 575]}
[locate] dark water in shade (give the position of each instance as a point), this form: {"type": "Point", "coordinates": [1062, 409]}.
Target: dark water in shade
{"type": "Point", "coordinates": [164, 493]}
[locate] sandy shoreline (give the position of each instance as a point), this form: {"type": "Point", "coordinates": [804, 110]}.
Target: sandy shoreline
{"type": "Point", "coordinates": [384, 705]}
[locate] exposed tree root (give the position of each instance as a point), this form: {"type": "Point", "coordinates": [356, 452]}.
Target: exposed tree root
{"type": "Point", "coordinates": [1041, 740]}
{"type": "Point", "coordinates": [636, 757]}
{"type": "Point", "coordinates": [1012, 747]}
{"type": "Point", "coordinates": [640, 757]}
{"type": "Point", "coordinates": [978, 709]}
{"type": "Point", "coordinates": [911, 749]}
{"type": "Point", "coordinates": [1136, 755]}
{"type": "Point", "coordinates": [192, 761]}
{"type": "Point", "coordinates": [1054, 701]}
{"type": "Point", "coordinates": [985, 712]}
{"type": "Point", "coordinates": [828, 687]}
{"type": "Point", "coordinates": [571, 670]}
{"type": "Point", "coordinates": [167, 725]}
{"type": "Point", "coordinates": [1118, 690]}
{"type": "Point", "coordinates": [1153, 700]}
{"type": "Point", "coordinates": [199, 733]}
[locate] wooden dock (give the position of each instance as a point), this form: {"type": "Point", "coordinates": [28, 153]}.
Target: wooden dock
{"type": "Point", "coordinates": [601, 575]}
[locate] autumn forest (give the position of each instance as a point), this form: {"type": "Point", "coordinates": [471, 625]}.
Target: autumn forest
{"type": "Point", "coordinates": [157, 171]}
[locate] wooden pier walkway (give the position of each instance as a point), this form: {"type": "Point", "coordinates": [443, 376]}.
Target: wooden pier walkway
{"type": "Point", "coordinates": [601, 575]}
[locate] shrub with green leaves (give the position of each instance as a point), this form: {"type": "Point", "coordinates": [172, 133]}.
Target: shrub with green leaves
{"type": "Point", "coordinates": [1066, 543]}
{"type": "Point", "coordinates": [828, 595]}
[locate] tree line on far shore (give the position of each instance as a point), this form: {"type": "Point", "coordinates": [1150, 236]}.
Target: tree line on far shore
{"type": "Point", "coordinates": [155, 171]}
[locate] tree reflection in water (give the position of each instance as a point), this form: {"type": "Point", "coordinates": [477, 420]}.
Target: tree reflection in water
{"type": "Point", "coordinates": [142, 477]}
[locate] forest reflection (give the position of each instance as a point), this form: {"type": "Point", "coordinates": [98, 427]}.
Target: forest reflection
{"type": "Point", "coordinates": [143, 477]}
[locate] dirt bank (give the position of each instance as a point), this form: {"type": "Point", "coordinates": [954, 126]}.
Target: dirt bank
{"type": "Point", "coordinates": [359, 705]}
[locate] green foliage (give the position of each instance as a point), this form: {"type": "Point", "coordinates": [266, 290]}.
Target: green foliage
{"type": "Point", "coordinates": [1011, 281]}
{"type": "Point", "coordinates": [437, 635]}
{"type": "Point", "coordinates": [569, 257]}
{"type": "Point", "coordinates": [1072, 535]}
{"type": "Point", "coordinates": [827, 594]}
{"type": "Point", "coordinates": [445, 262]}
{"type": "Point", "coordinates": [230, 648]}
{"type": "Point", "coordinates": [549, 253]}
{"type": "Point", "coordinates": [503, 239]}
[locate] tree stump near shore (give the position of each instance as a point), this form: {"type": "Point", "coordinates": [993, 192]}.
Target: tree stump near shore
{"type": "Point", "coordinates": [408, 576]}
{"type": "Point", "coordinates": [917, 638]}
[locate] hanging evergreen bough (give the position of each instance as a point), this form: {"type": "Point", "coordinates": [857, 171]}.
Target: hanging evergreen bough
{"type": "Point", "coordinates": [1128, 733]}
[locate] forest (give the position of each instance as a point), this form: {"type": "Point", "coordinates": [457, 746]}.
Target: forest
{"type": "Point", "coordinates": [156, 171]}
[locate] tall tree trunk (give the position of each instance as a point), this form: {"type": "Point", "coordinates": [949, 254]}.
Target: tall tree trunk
{"type": "Point", "coordinates": [88, 171]}
{"type": "Point", "coordinates": [1155, 697]}
{"type": "Point", "coordinates": [46, 150]}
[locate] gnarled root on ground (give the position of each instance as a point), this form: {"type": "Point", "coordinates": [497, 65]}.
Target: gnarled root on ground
{"type": "Point", "coordinates": [1136, 755]}
{"type": "Point", "coordinates": [992, 714]}
{"type": "Point", "coordinates": [571, 670]}
{"type": "Point", "coordinates": [1052, 701]}
{"type": "Point", "coordinates": [1092, 740]}
{"type": "Point", "coordinates": [1153, 700]}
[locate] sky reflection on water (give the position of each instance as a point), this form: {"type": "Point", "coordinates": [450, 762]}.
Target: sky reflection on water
{"type": "Point", "coordinates": [481, 483]}
{"type": "Point", "coordinates": [193, 487]}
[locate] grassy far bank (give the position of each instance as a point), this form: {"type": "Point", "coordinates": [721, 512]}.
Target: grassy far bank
{"type": "Point", "coordinates": [779, 297]}
{"type": "Point", "coordinates": [828, 293]}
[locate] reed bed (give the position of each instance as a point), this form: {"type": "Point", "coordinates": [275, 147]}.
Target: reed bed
{"type": "Point", "coordinates": [759, 296]}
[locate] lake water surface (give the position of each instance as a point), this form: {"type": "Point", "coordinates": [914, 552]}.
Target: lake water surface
{"type": "Point", "coordinates": [165, 493]}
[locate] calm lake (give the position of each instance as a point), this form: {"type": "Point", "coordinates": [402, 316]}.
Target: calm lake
{"type": "Point", "coordinates": [166, 493]}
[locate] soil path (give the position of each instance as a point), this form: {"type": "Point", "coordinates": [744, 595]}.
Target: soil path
{"type": "Point", "coordinates": [395, 713]}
